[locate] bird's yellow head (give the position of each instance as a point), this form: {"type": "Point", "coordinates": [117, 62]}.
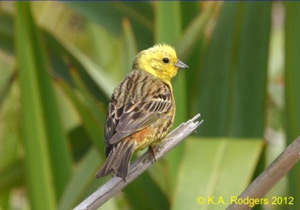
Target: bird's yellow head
{"type": "Point", "coordinates": [160, 61]}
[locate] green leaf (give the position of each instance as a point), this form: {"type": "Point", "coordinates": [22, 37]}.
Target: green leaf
{"type": "Point", "coordinates": [80, 181]}
{"type": "Point", "coordinates": [63, 55]}
{"type": "Point", "coordinates": [47, 160]}
{"type": "Point", "coordinates": [168, 32]}
{"type": "Point", "coordinates": [190, 45]}
{"type": "Point", "coordinates": [292, 73]}
{"type": "Point", "coordinates": [194, 31]}
{"type": "Point", "coordinates": [104, 49]}
{"type": "Point", "coordinates": [215, 167]}
{"type": "Point", "coordinates": [102, 79]}
{"type": "Point", "coordinates": [129, 48]}
{"type": "Point", "coordinates": [248, 103]}
{"type": "Point", "coordinates": [145, 193]}
{"type": "Point", "coordinates": [11, 176]}
{"type": "Point", "coordinates": [232, 63]}
{"type": "Point", "coordinates": [79, 147]}
{"type": "Point", "coordinates": [97, 110]}
{"type": "Point", "coordinates": [110, 15]}
{"type": "Point", "coordinates": [292, 94]}
{"type": "Point", "coordinates": [91, 123]}
{"type": "Point", "coordinates": [6, 32]}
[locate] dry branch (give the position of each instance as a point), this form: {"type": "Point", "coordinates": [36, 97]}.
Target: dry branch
{"type": "Point", "coordinates": [116, 184]}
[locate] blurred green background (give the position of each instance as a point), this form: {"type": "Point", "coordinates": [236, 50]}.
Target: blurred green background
{"type": "Point", "coordinates": [59, 62]}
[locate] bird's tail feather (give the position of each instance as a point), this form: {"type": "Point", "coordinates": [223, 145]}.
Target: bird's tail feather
{"type": "Point", "coordinates": [118, 160]}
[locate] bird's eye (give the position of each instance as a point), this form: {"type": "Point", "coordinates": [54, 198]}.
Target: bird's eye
{"type": "Point", "coordinates": [166, 60]}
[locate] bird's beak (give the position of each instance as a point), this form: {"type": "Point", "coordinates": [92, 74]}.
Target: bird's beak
{"type": "Point", "coordinates": [179, 64]}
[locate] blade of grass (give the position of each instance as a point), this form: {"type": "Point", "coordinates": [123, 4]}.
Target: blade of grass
{"type": "Point", "coordinates": [292, 73]}
{"type": "Point", "coordinates": [191, 43]}
{"type": "Point", "coordinates": [110, 15]}
{"type": "Point", "coordinates": [214, 76]}
{"type": "Point", "coordinates": [152, 197]}
{"type": "Point", "coordinates": [32, 71]}
{"type": "Point", "coordinates": [104, 49]}
{"type": "Point", "coordinates": [11, 176]}
{"type": "Point", "coordinates": [82, 178]}
{"type": "Point", "coordinates": [250, 63]}
{"type": "Point", "coordinates": [215, 168]}
{"type": "Point", "coordinates": [6, 32]}
{"type": "Point", "coordinates": [292, 94]}
{"type": "Point", "coordinates": [102, 78]}
{"type": "Point", "coordinates": [129, 46]}
{"type": "Point", "coordinates": [90, 123]}
{"type": "Point", "coordinates": [167, 31]}
{"type": "Point", "coordinates": [194, 31]}
{"type": "Point", "coordinates": [46, 102]}
{"type": "Point", "coordinates": [232, 62]}
{"type": "Point", "coordinates": [97, 110]}
{"type": "Point", "coordinates": [62, 56]}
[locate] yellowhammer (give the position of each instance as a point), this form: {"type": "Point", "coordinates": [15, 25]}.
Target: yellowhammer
{"type": "Point", "coordinates": [142, 108]}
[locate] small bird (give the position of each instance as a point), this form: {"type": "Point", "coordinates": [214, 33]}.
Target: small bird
{"type": "Point", "coordinates": [142, 108]}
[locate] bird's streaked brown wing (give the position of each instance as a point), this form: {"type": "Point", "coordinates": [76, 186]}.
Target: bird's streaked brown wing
{"type": "Point", "coordinates": [135, 116]}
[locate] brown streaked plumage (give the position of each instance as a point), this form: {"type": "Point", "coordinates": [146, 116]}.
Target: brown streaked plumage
{"type": "Point", "coordinates": [142, 108]}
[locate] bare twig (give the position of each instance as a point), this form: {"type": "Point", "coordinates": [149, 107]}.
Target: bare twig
{"type": "Point", "coordinates": [271, 175]}
{"type": "Point", "coordinates": [116, 184]}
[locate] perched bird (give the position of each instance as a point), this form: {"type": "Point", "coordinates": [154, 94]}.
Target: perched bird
{"type": "Point", "coordinates": [142, 108]}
